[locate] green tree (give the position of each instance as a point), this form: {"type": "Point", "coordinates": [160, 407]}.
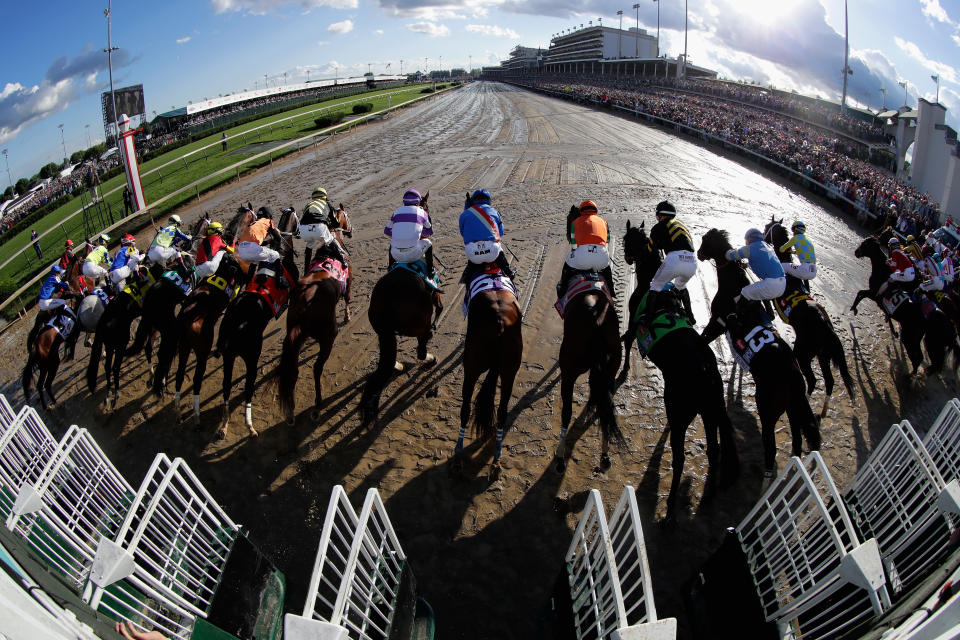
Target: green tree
{"type": "Point", "coordinates": [7, 194]}
{"type": "Point", "coordinates": [76, 156]}
{"type": "Point", "coordinates": [22, 186]}
{"type": "Point", "coordinates": [49, 170]}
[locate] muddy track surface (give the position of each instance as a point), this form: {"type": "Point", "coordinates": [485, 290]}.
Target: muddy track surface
{"type": "Point", "coordinates": [486, 554]}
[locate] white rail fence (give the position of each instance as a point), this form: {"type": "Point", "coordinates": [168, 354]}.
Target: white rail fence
{"type": "Point", "coordinates": [813, 576]}
{"type": "Point", "coordinates": [609, 575]}
{"type": "Point", "coordinates": [942, 442]}
{"type": "Point", "coordinates": [357, 577]}
{"type": "Point", "coordinates": [25, 448]}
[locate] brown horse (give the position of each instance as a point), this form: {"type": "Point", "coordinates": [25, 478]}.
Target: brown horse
{"type": "Point", "coordinates": [402, 303]}
{"type": "Point", "coordinates": [44, 355]}
{"type": "Point", "coordinates": [241, 332]}
{"type": "Point", "coordinates": [591, 343]}
{"type": "Point", "coordinates": [494, 344]}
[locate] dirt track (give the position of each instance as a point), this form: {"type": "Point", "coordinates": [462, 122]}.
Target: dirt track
{"type": "Point", "coordinates": [486, 555]}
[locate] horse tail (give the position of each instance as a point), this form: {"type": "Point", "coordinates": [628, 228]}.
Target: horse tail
{"type": "Point", "coordinates": [27, 376]}
{"type": "Point", "coordinates": [289, 370]}
{"type": "Point", "coordinates": [95, 352]}
{"type": "Point", "coordinates": [601, 384]}
{"type": "Point", "coordinates": [839, 358]}
{"type": "Point", "coordinates": [483, 424]}
{"type": "Point", "coordinates": [370, 402]}
{"type": "Point", "coordinates": [139, 339]}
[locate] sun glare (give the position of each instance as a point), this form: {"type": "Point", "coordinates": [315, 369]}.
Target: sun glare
{"type": "Point", "coordinates": [766, 12]}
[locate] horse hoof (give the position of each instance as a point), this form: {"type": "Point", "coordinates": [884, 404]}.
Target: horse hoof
{"type": "Point", "coordinates": [291, 422]}
{"type": "Point", "coordinates": [495, 471]}
{"type": "Point", "coordinates": [221, 433]}
{"type": "Point", "coordinates": [561, 466]}
{"type": "Point", "coordinates": [605, 462]}
{"type": "Point", "coordinates": [253, 432]}
{"type": "Point", "coordinates": [456, 465]}
{"type": "Point", "coordinates": [315, 415]}
{"type": "Point", "coordinates": [398, 366]}
{"type": "Point", "coordinates": [428, 360]}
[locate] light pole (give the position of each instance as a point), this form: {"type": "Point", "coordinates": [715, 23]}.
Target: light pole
{"type": "Point", "coordinates": [620, 36]}
{"type": "Point", "coordinates": [658, 27]}
{"type": "Point", "coordinates": [265, 84]}
{"type": "Point", "coordinates": [284, 78]}
{"type": "Point", "coordinates": [10, 179]}
{"type": "Point", "coordinates": [883, 91]}
{"type": "Point", "coordinates": [426, 66]}
{"type": "Point", "coordinates": [637, 35]}
{"type": "Point", "coordinates": [86, 128]}
{"type": "Point", "coordinates": [686, 23]}
{"type": "Point", "coordinates": [904, 85]}
{"type": "Point", "coordinates": [113, 100]}
{"type": "Point", "coordinates": [64, 144]}
{"type": "Point", "coordinates": [308, 76]}
{"type": "Point", "coordinates": [846, 58]}
{"type": "Point", "coordinates": [937, 79]}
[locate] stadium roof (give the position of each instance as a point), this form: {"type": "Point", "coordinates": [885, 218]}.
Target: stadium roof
{"type": "Point", "coordinates": [182, 111]}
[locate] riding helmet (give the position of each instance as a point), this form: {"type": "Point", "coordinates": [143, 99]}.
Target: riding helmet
{"type": "Point", "coordinates": [56, 270]}
{"type": "Point", "coordinates": [104, 238]}
{"type": "Point", "coordinates": [588, 206]}
{"type": "Point", "coordinates": [264, 212]}
{"type": "Point", "coordinates": [480, 196]}
{"type": "Point", "coordinates": [665, 208]}
{"type": "Point", "coordinates": [68, 243]}
{"type": "Point", "coordinates": [319, 194]}
{"type": "Point", "coordinates": [127, 239]}
{"type": "Point", "coordinates": [175, 219]}
{"type": "Point", "coordinates": [894, 241]}
{"type": "Point", "coordinates": [411, 197]}
{"type": "Point", "coordinates": [214, 228]}
{"type": "Point", "coordinates": [798, 227]}
{"type": "Point", "coordinates": [753, 235]}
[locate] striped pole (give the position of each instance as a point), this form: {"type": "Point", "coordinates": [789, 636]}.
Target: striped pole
{"type": "Point", "coordinates": [129, 157]}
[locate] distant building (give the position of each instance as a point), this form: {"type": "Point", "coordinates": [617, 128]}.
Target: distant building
{"type": "Point", "coordinates": [523, 59]}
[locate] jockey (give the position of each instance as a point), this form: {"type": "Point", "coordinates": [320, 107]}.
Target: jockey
{"type": "Point", "coordinates": [51, 289]}
{"type": "Point", "coordinates": [481, 228]}
{"type": "Point", "coordinates": [764, 264]}
{"type": "Point", "coordinates": [125, 260]}
{"type": "Point", "coordinates": [409, 229]}
{"type": "Point", "coordinates": [67, 254]}
{"type": "Point", "coordinates": [211, 250]}
{"type": "Point", "coordinates": [316, 226]}
{"type": "Point", "coordinates": [807, 269]}
{"type": "Point", "coordinates": [930, 267]}
{"type": "Point", "coordinates": [98, 256]}
{"type": "Point", "coordinates": [256, 240]}
{"type": "Point", "coordinates": [912, 249]}
{"type": "Point", "coordinates": [946, 261]}
{"type": "Point", "coordinates": [590, 235]}
{"type": "Point", "coordinates": [901, 266]}
{"type": "Point", "coordinates": [164, 245]}
{"type": "Point", "coordinates": [680, 264]}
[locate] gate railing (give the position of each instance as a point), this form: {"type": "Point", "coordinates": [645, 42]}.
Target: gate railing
{"type": "Point", "coordinates": [25, 448]}
{"type": "Point", "coordinates": [942, 442]}
{"type": "Point", "coordinates": [813, 576]}
{"type": "Point", "coordinates": [608, 572]}
{"type": "Point", "coordinates": [357, 576]}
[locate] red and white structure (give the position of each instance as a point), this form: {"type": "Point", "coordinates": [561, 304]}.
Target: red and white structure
{"type": "Point", "coordinates": [129, 157]}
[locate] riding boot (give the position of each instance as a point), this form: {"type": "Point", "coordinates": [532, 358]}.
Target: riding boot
{"type": "Point", "coordinates": [467, 274]}
{"type": "Point", "coordinates": [565, 274]}
{"type": "Point", "coordinates": [768, 308]}
{"type": "Point", "coordinates": [650, 308]}
{"type": "Point", "coordinates": [504, 265]}
{"type": "Point", "coordinates": [428, 260]}
{"type": "Point", "coordinates": [687, 306]}
{"type": "Point", "coordinates": [307, 255]}
{"type": "Point", "coordinates": [390, 260]}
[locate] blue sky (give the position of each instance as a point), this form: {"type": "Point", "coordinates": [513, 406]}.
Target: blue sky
{"type": "Point", "coordinates": [53, 69]}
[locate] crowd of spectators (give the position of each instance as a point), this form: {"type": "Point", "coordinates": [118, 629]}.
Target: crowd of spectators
{"type": "Point", "coordinates": [836, 162]}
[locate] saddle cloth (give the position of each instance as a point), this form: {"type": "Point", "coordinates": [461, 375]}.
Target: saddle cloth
{"type": "Point", "coordinates": [265, 284]}
{"type": "Point", "coordinates": [63, 322]}
{"type": "Point", "coordinates": [746, 347]}
{"type": "Point", "coordinates": [787, 303]}
{"type": "Point", "coordinates": [418, 267]}
{"type": "Point", "coordinates": [579, 284]}
{"type": "Point", "coordinates": [483, 281]}
{"type": "Point", "coordinates": [333, 267]}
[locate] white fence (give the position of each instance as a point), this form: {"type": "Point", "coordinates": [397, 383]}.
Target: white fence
{"type": "Point", "coordinates": [7, 415]}
{"type": "Point", "coordinates": [162, 568]}
{"type": "Point", "coordinates": [942, 442]}
{"type": "Point", "coordinates": [357, 575]}
{"type": "Point", "coordinates": [896, 498]}
{"type": "Point", "coordinates": [609, 575]}
{"type": "Point", "coordinates": [25, 448]}
{"type": "Point", "coordinates": [78, 497]}
{"type": "Point", "coordinates": [813, 576]}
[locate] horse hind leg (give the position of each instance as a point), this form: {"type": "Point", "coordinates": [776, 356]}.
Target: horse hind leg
{"type": "Point", "coordinates": [506, 390]}
{"type": "Point", "coordinates": [248, 388]}
{"type": "Point", "coordinates": [566, 413]}
{"type": "Point", "coordinates": [326, 347]}
{"type": "Point", "coordinates": [470, 376]}
{"type": "Point", "coordinates": [828, 382]}
{"type": "Point", "coordinates": [228, 361]}
{"type": "Point", "coordinates": [426, 358]}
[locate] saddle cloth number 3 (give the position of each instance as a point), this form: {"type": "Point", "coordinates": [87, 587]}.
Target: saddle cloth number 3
{"type": "Point", "coordinates": [756, 342]}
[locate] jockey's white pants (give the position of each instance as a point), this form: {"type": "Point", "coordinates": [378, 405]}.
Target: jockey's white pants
{"type": "Point", "coordinates": [253, 252]}
{"type": "Point", "coordinates": [678, 267]}
{"type": "Point", "coordinates": [411, 254]}
{"type": "Point", "coordinates": [316, 235]}
{"type": "Point", "coordinates": [907, 275]}
{"type": "Point", "coordinates": [93, 271]}
{"type": "Point", "coordinates": [209, 267]}
{"type": "Point", "coordinates": [804, 270]}
{"type": "Point", "coordinates": [766, 289]}
{"type": "Point", "coordinates": [161, 255]}
{"type": "Point", "coordinates": [933, 284]}
{"type": "Point", "coordinates": [589, 257]}
{"type": "Point", "coordinates": [482, 251]}
{"type": "Point", "coordinates": [119, 275]}
{"type": "Point", "coordinates": [51, 303]}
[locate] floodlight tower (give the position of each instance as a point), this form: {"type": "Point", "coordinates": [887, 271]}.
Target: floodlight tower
{"type": "Point", "coordinates": [7, 158]}
{"type": "Point", "coordinates": [113, 100]}
{"type": "Point", "coordinates": [637, 37]}
{"type": "Point", "coordinates": [60, 126]}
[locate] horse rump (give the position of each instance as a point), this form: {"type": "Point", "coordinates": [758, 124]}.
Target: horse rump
{"type": "Point", "coordinates": [601, 381]}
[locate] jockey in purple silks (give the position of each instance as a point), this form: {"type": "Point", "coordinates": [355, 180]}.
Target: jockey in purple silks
{"type": "Point", "coordinates": [409, 229]}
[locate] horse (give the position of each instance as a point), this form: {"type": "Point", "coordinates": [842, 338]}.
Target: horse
{"type": "Point", "coordinates": [591, 344]}
{"type": "Point", "coordinates": [936, 332]}
{"type": "Point", "coordinates": [241, 331]}
{"type": "Point", "coordinates": [73, 276]}
{"type": "Point", "coordinates": [780, 386]}
{"type": "Point", "coordinates": [113, 332]}
{"type": "Point", "coordinates": [686, 362]}
{"type": "Point", "coordinates": [494, 345]}
{"type": "Point", "coordinates": [815, 334]}
{"type": "Point", "coordinates": [401, 303]}
{"type": "Point", "coordinates": [194, 330]}
{"type": "Point", "coordinates": [44, 354]}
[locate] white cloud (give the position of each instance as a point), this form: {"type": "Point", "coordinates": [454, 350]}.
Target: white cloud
{"type": "Point", "coordinates": [183, 40]}
{"type": "Point", "coordinates": [493, 30]}
{"type": "Point", "coordinates": [378, 32]}
{"type": "Point", "coordinates": [956, 39]}
{"type": "Point", "coordinates": [260, 7]}
{"type": "Point", "coordinates": [932, 9]}
{"type": "Point", "coordinates": [945, 71]}
{"type": "Point", "coordinates": [439, 9]}
{"type": "Point", "coordinates": [322, 43]}
{"type": "Point", "coordinates": [342, 27]}
{"type": "Point", "coordinates": [22, 106]}
{"type": "Point", "coordinates": [430, 29]}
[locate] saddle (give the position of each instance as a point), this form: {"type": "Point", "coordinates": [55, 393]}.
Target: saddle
{"type": "Point", "coordinates": [486, 280]}
{"type": "Point", "coordinates": [64, 322]}
{"type": "Point", "coordinates": [580, 283]}
{"type": "Point", "coordinates": [333, 267]}
{"type": "Point", "coordinates": [750, 333]}
{"type": "Point", "coordinates": [652, 325]}
{"type": "Point", "coordinates": [137, 288]}
{"type": "Point", "coordinates": [893, 298]}
{"type": "Point", "coordinates": [418, 267]}
{"type": "Point", "coordinates": [265, 284]}
{"type": "Point", "coordinates": [788, 302]}
{"type": "Point", "coordinates": [184, 285]}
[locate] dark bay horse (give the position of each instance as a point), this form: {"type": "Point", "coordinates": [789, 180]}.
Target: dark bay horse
{"type": "Point", "coordinates": [494, 345]}
{"type": "Point", "coordinates": [780, 386]}
{"type": "Point", "coordinates": [936, 332]}
{"type": "Point", "coordinates": [241, 332]}
{"type": "Point", "coordinates": [194, 330]}
{"type": "Point", "coordinates": [815, 334]}
{"type": "Point", "coordinates": [691, 380]}
{"type": "Point", "coordinates": [44, 354]}
{"type": "Point", "coordinates": [591, 344]}
{"type": "Point", "coordinates": [402, 303]}
{"type": "Point", "coordinates": [113, 332]}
